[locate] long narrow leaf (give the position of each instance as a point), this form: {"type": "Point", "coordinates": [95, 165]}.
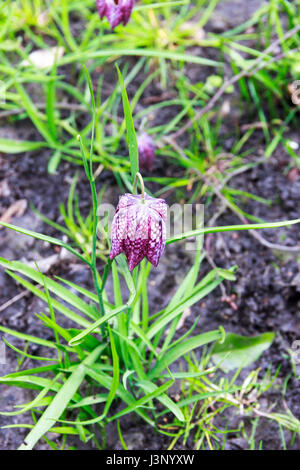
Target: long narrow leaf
{"type": "Point", "coordinates": [131, 135]}
{"type": "Point", "coordinates": [183, 348]}
{"type": "Point", "coordinates": [60, 401]}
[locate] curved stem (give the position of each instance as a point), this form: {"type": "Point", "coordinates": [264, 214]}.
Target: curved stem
{"type": "Point", "coordinates": [134, 189]}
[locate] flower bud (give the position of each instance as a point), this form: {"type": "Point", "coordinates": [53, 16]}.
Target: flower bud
{"type": "Point", "coordinates": [146, 148]}
{"type": "Point", "coordinates": [116, 11]}
{"type": "Point", "coordinates": [139, 229]}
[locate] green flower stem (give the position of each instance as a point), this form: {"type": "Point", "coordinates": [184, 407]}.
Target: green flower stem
{"type": "Point", "coordinates": [95, 221]}
{"type": "Point", "coordinates": [139, 177]}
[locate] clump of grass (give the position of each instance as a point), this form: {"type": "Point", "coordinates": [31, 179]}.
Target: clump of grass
{"type": "Point", "coordinates": [115, 352]}
{"type": "Point", "coordinates": [210, 397]}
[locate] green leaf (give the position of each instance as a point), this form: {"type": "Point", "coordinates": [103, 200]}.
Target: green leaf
{"type": "Point", "coordinates": [45, 238]}
{"type": "Point", "coordinates": [131, 135]}
{"type": "Point", "coordinates": [149, 387]}
{"type": "Point", "coordinates": [30, 381]}
{"type": "Point", "coordinates": [240, 351]}
{"type": "Point", "coordinates": [226, 274]}
{"type": "Point", "coordinates": [57, 305]}
{"type": "Point", "coordinates": [60, 401]}
{"type": "Point", "coordinates": [139, 52]}
{"type": "Point", "coordinates": [34, 114]}
{"type": "Point", "coordinates": [33, 339]}
{"type": "Point", "coordinates": [230, 228]}
{"type": "Point", "coordinates": [50, 91]}
{"type": "Point", "coordinates": [157, 392]}
{"type": "Point", "coordinates": [202, 396]}
{"type": "Point", "coordinates": [53, 286]}
{"type": "Point", "coordinates": [37, 400]}
{"type": "Point", "coordinates": [19, 146]}
{"type": "Point", "coordinates": [128, 278]}
{"type": "Point", "coordinates": [203, 288]}
{"type": "Point", "coordinates": [89, 343]}
{"type": "Point", "coordinates": [183, 348]}
{"type": "Point", "coordinates": [116, 374]}
{"type": "Point", "coordinates": [54, 162]}
{"type": "Point", "coordinates": [106, 381]}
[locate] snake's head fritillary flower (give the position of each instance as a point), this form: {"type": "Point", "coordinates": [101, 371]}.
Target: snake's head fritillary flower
{"type": "Point", "coordinates": [116, 11]}
{"type": "Point", "coordinates": [139, 229]}
{"type": "Point", "coordinates": [146, 148]}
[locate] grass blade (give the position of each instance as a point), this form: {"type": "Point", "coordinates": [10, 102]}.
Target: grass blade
{"type": "Point", "coordinates": [131, 135]}
{"type": "Point", "coordinates": [60, 401]}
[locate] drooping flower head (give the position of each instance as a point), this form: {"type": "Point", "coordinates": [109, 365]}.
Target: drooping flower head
{"type": "Point", "coordinates": [146, 148]}
{"type": "Point", "coordinates": [116, 11]}
{"type": "Point", "coordinates": [139, 229]}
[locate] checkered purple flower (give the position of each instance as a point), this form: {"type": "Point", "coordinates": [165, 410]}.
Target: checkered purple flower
{"type": "Point", "coordinates": [146, 148]}
{"type": "Point", "coordinates": [139, 229]}
{"type": "Point", "coordinates": [116, 11]}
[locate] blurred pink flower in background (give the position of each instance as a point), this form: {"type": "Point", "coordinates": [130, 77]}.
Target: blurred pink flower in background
{"type": "Point", "coordinates": [146, 148]}
{"type": "Point", "coordinates": [116, 11]}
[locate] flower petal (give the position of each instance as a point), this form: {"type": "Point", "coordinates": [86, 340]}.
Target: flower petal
{"type": "Point", "coordinates": [101, 7]}
{"type": "Point", "coordinates": [114, 15]}
{"type": "Point", "coordinates": [127, 6]}
{"type": "Point", "coordinates": [139, 229]}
